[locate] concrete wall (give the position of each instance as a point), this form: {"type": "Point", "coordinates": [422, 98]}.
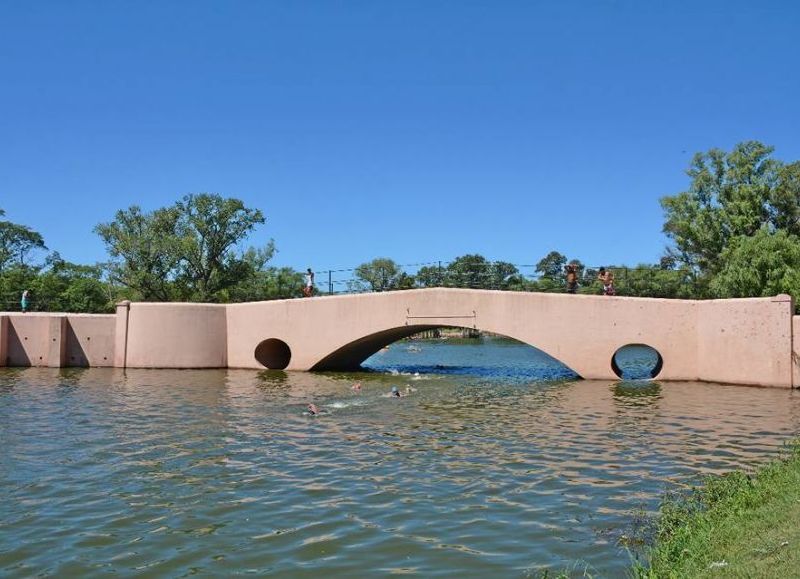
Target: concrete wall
{"type": "Point", "coordinates": [745, 341]}
{"type": "Point", "coordinates": [176, 335]}
{"type": "Point", "coordinates": [56, 340]}
{"type": "Point", "coordinates": [583, 332]}
{"type": "Point", "coordinates": [28, 339]}
{"type": "Point", "coordinates": [90, 340]}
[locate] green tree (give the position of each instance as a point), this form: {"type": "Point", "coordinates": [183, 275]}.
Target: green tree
{"type": "Point", "coordinates": [764, 264]}
{"type": "Point", "coordinates": [469, 271]}
{"type": "Point", "coordinates": [730, 195]}
{"type": "Point", "coordinates": [551, 266]}
{"type": "Point", "coordinates": [69, 287]}
{"type": "Point", "coordinates": [187, 251]}
{"type": "Point", "coordinates": [17, 242]}
{"type": "Point", "coordinates": [502, 275]}
{"type": "Point", "coordinates": [380, 274]}
{"type": "Point", "coordinates": [269, 283]}
{"type": "Point", "coordinates": [431, 276]}
{"type": "Point", "coordinates": [652, 281]}
{"type": "Point", "coordinates": [210, 227]}
{"type": "Point", "coordinates": [145, 251]}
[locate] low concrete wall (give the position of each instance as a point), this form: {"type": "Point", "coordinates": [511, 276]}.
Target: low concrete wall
{"type": "Point", "coordinates": [176, 335]}
{"type": "Point", "coordinates": [583, 332]}
{"type": "Point", "coordinates": [746, 341]}
{"type": "Point", "coordinates": [28, 339]}
{"type": "Point", "coordinates": [56, 340]}
{"type": "Point", "coordinates": [90, 340]}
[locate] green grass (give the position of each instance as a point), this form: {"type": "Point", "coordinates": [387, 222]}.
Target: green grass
{"type": "Point", "coordinates": [735, 525]}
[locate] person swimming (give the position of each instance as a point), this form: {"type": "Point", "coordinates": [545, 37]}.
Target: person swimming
{"type": "Point", "coordinates": [356, 387]}
{"type": "Point", "coordinates": [395, 393]}
{"type": "Point", "coordinates": [313, 410]}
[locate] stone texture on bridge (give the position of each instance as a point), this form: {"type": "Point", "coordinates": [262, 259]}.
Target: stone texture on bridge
{"type": "Point", "coordinates": [741, 341]}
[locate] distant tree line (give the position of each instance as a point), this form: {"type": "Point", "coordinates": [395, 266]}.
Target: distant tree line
{"type": "Point", "coordinates": [735, 232]}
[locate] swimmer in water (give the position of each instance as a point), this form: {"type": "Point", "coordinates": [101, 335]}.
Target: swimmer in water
{"type": "Point", "coordinates": [313, 410]}
{"type": "Point", "coordinates": [357, 387]}
{"type": "Point", "coordinates": [410, 389]}
{"type": "Point", "coordinates": [395, 393]}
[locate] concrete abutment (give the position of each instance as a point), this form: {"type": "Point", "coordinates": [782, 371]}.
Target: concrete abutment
{"type": "Point", "coordinates": [740, 341]}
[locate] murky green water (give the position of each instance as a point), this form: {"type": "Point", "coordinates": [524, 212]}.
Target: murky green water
{"type": "Point", "coordinates": [484, 470]}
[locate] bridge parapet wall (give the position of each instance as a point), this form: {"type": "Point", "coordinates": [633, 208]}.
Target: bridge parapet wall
{"type": "Point", "coordinates": [740, 341]}
{"type": "Point", "coordinates": [172, 335]}
{"type": "Point", "coordinates": [581, 331]}
{"type": "Point", "coordinates": [746, 341]}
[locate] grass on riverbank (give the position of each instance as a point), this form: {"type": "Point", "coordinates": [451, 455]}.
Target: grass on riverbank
{"type": "Point", "coordinates": [736, 525]}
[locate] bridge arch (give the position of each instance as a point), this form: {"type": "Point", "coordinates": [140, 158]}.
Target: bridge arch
{"type": "Point", "coordinates": [351, 355]}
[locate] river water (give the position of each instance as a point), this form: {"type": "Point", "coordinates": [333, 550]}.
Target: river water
{"type": "Point", "coordinates": [499, 464]}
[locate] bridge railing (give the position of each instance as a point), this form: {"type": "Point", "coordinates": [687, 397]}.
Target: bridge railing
{"type": "Point", "coordinates": [646, 281]}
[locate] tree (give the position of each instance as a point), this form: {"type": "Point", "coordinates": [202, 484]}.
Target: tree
{"type": "Point", "coordinates": [469, 271]}
{"type": "Point", "coordinates": [380, 274]}
{"type": "Point", "coordinates": [209, 228]}
{"type": "Point", "coordinates": [17, 242]}
{"type": "Point", "coordinates": [764, 264]}
{"type": "Point", "coordinates": [270, 283]}
{"type": "Point", "coordinates": [69, 287]}
{"type": "Point", "coordinates": [653, 281]}
{"type": "Point", "coordinates": [551, 266]}
{"type": "Point", "coordinates": [186, 251]}
{"type": "Point", "coordinates": [145, 250]}
{"type": "Point", "coordinates": [730, 195]}
{"type": "Point", "coordinates": [502, 274]}
{"type": "Point", "coordinates": [430, 276]}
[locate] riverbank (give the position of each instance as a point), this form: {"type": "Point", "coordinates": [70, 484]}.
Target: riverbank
{"type": "Point", "coordinates": [737, 525]}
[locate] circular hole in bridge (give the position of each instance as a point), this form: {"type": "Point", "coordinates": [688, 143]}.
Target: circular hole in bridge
{"type": "Point", "coordinates": [273, 354]}
{"type": "Point", "coordinates": [636, 362]}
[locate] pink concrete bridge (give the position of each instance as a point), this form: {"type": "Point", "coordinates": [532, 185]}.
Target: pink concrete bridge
{"type": "Point", "coordinates": [739, 341]}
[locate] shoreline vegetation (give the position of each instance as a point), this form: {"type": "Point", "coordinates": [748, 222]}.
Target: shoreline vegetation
{"type": "Point", "coordinates": [740, 524]}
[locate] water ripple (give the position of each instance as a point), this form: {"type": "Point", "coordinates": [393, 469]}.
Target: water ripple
{"type": "Point", "coordinates": [177, 473]}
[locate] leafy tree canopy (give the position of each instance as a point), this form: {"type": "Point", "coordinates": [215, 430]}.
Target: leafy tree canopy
{"type": "Point", "coordinates": [765, 264]}
{"type": "Point", "coordinates": [380, 274]}
{"type": "Point", "coordinates": [551, 266]}
{"type": "Point", "coordinates": [731, 195]}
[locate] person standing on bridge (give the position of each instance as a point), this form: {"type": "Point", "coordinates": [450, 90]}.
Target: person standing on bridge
{"type": "Point", "coordinates": [308, 290]}
{"type": "Point", "coordinates": [606, 277]}
{"type": "Point", "coordinates": [572, 278]}
{"type": "Point", "coordinates": [23, 302]}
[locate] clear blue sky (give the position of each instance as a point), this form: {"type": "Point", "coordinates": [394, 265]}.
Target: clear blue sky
{"type": "Point", "coordinates": [416, 130]}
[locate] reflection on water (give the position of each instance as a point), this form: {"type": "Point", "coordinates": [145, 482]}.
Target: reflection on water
{"type": "Point", "coordinates": [641, 392]}
{"type": "Point", "coordinates": [473, 475]}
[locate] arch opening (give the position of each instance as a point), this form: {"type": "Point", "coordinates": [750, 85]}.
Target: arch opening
{"type": "Point", "coordinates": [273, 354]}
{"type": "Point", "coordinates": [637, 362]}
{"type": "Point", "coordinates": [446, 350]}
